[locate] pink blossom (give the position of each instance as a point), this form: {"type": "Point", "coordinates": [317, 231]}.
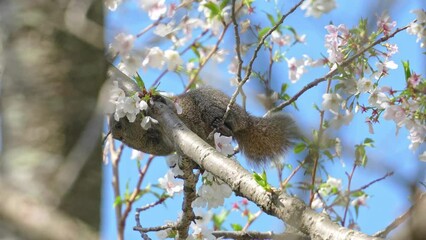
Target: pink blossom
{"type": "Point", "coordinates": [385, 24]}
{"type": "Point", "coordinates": [414, 80]}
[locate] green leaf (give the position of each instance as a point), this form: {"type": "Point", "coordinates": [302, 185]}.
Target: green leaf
{"type": "Point", "coordinates": [139, 81]}
{"type": "Point", "coordinates": [328, 154]}
{"type": "Point", "coordinates": [195, 50]}
{"type": "Point", "coordinates": [262, 180]}
{"type": "Point", "coordinates": [262, 32]}
{"type": "Point", "coordinates": [215, 9]}
{"type": "Point", "coordinates": [407, 72]}
{"type": "Point", "coordinates": [284, 88]}
{"type": "Point", "coordinates": [236, 227]}
{"type": "Point", "coordinates": [356, 210]}
{"type": "Point", "coordinates": [360, 155]}
{"type": "Point", "coordinates": [223, 4]}
{"type": "Point", "coordinates": [299, 147]}
{"type": "Point", "coordinates": [117, 201]}
{"type": "Point", "coordinates": [368, 142]}
{"type": "Point", "coordinates": [271, 19]}
{"type": "Point", "coordinates": [291, 29]}
{"type": "Point", "coordinates": [219, 219]}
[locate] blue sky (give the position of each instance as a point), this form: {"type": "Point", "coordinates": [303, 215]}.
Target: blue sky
{"type": "Point", "coordinates": [388, 198]}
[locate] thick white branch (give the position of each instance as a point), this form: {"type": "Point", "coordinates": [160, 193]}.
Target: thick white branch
{"type": "Point", "coordinates": [289, 209]}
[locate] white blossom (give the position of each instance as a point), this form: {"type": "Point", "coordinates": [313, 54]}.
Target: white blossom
{"type": "Point", "coordinates": [170, 183]}
{"type": "Point", "coordinates": [130, 64]}
{"type": "Point", "coordinates": [280, 39]}
{"type": "Point", "coordinates": [155, 8]}
{"type": "Point", "coordinates": [154, 59]}
{"type": "Point", "coordinates": [172, 59]}
{"type": "Point", "coordinates": [340, 119]}
{"type": "Point", "coordinates": [383, 68]}
{"type": "Point", "coordinates": [137, 155]}
{"type": "Point", "coordinates": [332, 102]}
{"type": "Point", "coordinates": [122, 44]}
{"type": "Point", "coordinates": [378, 99]}
{"type": "Point", "coordinates": [296, 68]}
{"type": "Point", "coordinates": [317, 203]}
{"type": "Point", "coordinates": [173, 162]}
{"type": "Point", "coordinates": [318, 7]}
{"type": "Point", "coordinates": [212, 193]}
{"type": "Point", "coordinates": [332, 184]}
{"type": "Point", "coordinates": [127, 106]}
{"type": "Point", "coordinates": [395, 113]}
{"type": "Point", "coordinates": [360, 201]}
{"type": "Point", "coordinates": [223, 144]}
{"type": "Point", "coordinates": [364, 85]}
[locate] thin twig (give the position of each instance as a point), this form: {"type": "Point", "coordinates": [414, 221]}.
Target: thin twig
{"type": "Point", "coordinates": [207, 58]}
{"type": "Point", "coordinates": [293, 173]}
{"type": "Point", "coordinates": [256, 51]}
{"type": "Point", "coordinates": [251, 220]}
{"type": "Point", "coordinates": [399, 220]}
{"type": "Point", "coordinates": [350, 176]}
{"type": "Point", "coordinates": [115, 159]}
{"type": "Point", "coordinates": [136, 191]}
{"type": "Point", "coordinates": [374, 181]}
{"type": "Point", "coordinates": [237, 42]}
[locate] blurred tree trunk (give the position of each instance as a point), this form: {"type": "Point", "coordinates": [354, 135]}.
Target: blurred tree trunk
{"type": "Point", "coordinates": [51, 71]}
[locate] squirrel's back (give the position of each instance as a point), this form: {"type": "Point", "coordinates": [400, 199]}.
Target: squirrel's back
{"type": "Point", "coordinates": [260, 139]}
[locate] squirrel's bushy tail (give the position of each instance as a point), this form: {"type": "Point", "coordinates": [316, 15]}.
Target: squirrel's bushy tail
{"type": "Point", "coordinates": [267, 138]}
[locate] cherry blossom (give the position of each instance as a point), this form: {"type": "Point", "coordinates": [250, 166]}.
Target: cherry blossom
{"type": "Point", "coordinates": [414, 80]}
{"type": "Point", "coordinates": [332, 102]}
{"type": "Point", "coordinates": [170, 183]}
{"type": "Point", "coordinates": [360, 201]}
{"type": "Point", "coordinates": [316, 8]}
{"type": "Point", "coordinates": [378, 99]}
{"type": "Point", "coordinates": [280, 39]}
{"type": "Point", "coordinates": [172, 59]}
{"type": "Point", "coordinates": [332, 185]}
{"type": "Point", "coordinates": [296, 69]}
{"type": "Point", "coordinates": [335, 40]}
{"type": "Point", "coordinates": [395, 113]}
{"type": "Point", "coordinates": [364, 85]}
{"type": "Point", "coordinates": [154, 59]}
{"type": "Point", "coordinates": [155, 8]}
{"type": "Point", "coordinates": [340, 119]}
{"type": "Point", "coordinates": [223, 144]}
{"type": "Point", "coordinates": [212, 193]}
{"type": "Point", "coordinates": [419, 27]}
{"type": "Point", "coordinates": [385, 24]}
{"type": "Point", "coordinates": [122, 44]}
{"type": "Point", "coordinates": [383, 68]}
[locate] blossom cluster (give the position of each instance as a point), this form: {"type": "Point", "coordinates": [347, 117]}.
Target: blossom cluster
{"type": "Point", "coordinates": [123, 106]}
{"type": "Point", "coordinates": [212, 193]}
{"type": "Point", "coordinates": [418, 27]}
{"type": "Point", "coordinates": [403, 107]}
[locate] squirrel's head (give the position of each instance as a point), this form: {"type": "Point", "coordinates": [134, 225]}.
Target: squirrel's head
{"type": "Point", "coordinates": [132, 134]}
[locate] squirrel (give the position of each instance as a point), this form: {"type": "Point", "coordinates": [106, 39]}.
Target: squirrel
{"type": "Point", "coordinates": [261, 139]}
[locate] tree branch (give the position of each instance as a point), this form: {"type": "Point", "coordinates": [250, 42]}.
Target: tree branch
{"type": "Point", "coordinates": [289, 209]}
